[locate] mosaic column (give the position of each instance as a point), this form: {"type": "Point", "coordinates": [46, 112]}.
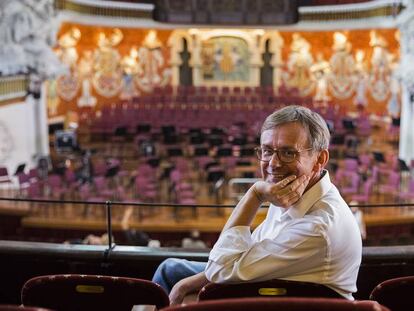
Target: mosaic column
{"type": "Point", "coordinates": [406, 74]}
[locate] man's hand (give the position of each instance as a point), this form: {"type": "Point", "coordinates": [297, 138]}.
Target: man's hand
{"type": "Point", "coordinates": [285, 193]}
{"type": "Point", "coordinates": [187, 286]}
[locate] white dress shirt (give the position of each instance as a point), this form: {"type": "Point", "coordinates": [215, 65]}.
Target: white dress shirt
{"type": "Point", "coordinates": [316, 240]}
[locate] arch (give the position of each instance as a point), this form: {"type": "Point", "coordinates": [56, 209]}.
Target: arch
{"type": "Point", "coordinates": [275, 47]}
{"type": "Point", "coordinates": [175, 43]}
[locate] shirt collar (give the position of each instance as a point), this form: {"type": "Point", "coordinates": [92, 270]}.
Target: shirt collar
{"type": "Point", "coordinates": [309, 198]}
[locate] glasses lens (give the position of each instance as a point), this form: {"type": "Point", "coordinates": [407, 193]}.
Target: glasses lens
{"type": "Point", "coordinates": [287, 155]}
{"type": "Point", "coordinates": [264, 155]}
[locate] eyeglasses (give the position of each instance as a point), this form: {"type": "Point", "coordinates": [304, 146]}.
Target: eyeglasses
{"type": "Point", "coordinates": [265, 154]}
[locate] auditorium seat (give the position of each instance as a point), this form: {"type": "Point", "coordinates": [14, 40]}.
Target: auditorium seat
{"type": "Point", "coordinates": [391, 186]}
{"type": "Point", "coordinates": [91, 292]}
{"type": "Point", "coordinates": [285, 304]}
{"type": "Point", "coordinates": [408, 195]}
{"type": "Point", "coordinates": [364, 196]}
{"type": "Point", "coordinates": [20, 308]}
{"type": "Point", "coordinates": [24, 183]}
{"type": "Point", "coordinates": [395, 294]}
{"type": "Point", "coordinates": [4, 176]}
{"type": "Point", "coordinates": [272, 288]}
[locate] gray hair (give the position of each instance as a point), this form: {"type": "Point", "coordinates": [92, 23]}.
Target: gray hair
{"type": "Point", "coordinates": [312, 122]}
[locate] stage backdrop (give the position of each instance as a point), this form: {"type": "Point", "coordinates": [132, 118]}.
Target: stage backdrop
{"type": "Point", "coordinates": [106, 64]}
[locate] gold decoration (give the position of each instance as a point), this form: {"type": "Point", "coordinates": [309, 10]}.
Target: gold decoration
{"type": "Point", "coordinates": [151, 41]}
{"type": "Point", "coordinates": [299, 63]}
{"type": "Point", "coordinates": [67, 85]}
{"type": "Point", "coordinates": [342, 81]}
{"type": "Point", "coordinates": [151, 62]}
{"type": "Point", "coordinates": [380, 73]}
{"type": "Point", "coordinates": [107, 78]}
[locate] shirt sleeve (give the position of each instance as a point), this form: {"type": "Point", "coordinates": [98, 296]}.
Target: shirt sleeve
{"type": "Point", "coordinates": [298, 249]}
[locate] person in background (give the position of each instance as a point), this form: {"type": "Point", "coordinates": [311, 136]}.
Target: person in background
{"type": "Point", "coordinates": [86, 169]}
{"type": "Point", "coordinates": [193, 241]}
{"type": "Point", "coordinates": [309, 233]}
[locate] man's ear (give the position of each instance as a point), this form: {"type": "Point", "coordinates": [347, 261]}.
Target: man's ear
{"type": "Point", "coordinates": [321, 161]}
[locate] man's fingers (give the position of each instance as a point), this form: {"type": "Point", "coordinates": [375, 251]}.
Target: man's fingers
{"type": "Point", "coordinates": [286, 181]}
{"type": "Point", "coordinates": [297, 187]}
{"type": "Point", "coordinates": [292, 197]}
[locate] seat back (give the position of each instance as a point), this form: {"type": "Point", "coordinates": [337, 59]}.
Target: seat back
{"type": "Point", "coordinates": [395, 294]}
{"type": "Point", "coordinates": [285, 304]}
{"type": "Point", "coordinates": [4, 174]}
{"type": "Point", "coordinates": [268, 288]}
{"type": "Point", "coordinates": [20, 308]}
{"type": "Point", "coordinates": [91, 292]}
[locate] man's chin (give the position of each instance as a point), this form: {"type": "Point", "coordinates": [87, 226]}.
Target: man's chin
{"type": "Point", "coordinates": [274, 179]}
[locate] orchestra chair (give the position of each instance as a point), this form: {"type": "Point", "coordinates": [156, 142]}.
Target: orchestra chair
{"type": "Point", "coordinates": [5, 179]}
{"type": "Point", "coordinates": [280, 304]}
{"type": "Point", "coordinates": [395, 294]}
{"type": "Point", "coordinates": [70, 292]}
{"type": "Point", "coordinates": [21, 308]}
{"type": "Point", "coordinates": [270, 288]}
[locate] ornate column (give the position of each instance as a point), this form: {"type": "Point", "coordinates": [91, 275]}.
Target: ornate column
{"type": "Point", "coordinates": [27, 34]}
{"type": "Point", "coordinates": [38, 100]}
{"type": "Point", "coordinates": [406, 74]}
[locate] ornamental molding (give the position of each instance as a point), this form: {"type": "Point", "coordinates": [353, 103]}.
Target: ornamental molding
{"type": "Point", "coordinates": [118, 13]}
{"type": "Point", "coordinates": [13, 87]}
{"type": "Point", "coordinates": [27, 34]}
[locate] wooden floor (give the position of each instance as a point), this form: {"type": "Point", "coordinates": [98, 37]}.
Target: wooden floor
{"type": "Point", "coordinates": [165, 219]}
{"type": "Point", "coordinates": [186, 219]}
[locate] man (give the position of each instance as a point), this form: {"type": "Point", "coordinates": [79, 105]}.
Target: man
{"type": "Point", "coordinates": [309, 233]}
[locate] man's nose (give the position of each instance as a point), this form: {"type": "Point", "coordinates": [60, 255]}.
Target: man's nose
{"type": "Point", "coordinates": [274, 160]}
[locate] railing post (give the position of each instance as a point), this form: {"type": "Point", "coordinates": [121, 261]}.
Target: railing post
{"type": "Point", "coordinates": [108, 205]}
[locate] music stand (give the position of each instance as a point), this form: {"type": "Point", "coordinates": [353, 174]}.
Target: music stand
{"type": "Point", "coordinates": [379, 156]}
{"type": "Point", "coordinates": [403, 166]}
{"type": "Point", "coordinates": [112, 171]}
{"type": "Point", "coordinates": [121, 131]}
{"type": "Point", "coordinates": [174, 152]}
{"type": "Point", "coordinates": [247, 152]}
{"type": "Point", "coordinates": [143, 128]}
{"type": "Point", "coordinates": [214, 176]}
{"type": "Point", "coordinates": [348, 124]}
{"type": "Point", "coordinates": [215, 140]}
{"type": "Point", "coordinates": [60, 169]}
{"type": "Point", "coordinates": [240, 141]}
{"type": "Point", "coordinates": [196, 139]}
{"type": "Point", "coordinates": [211, 164]}
{"type": "Point", "coordinates": [168, 130]}
{"type": "Point", "coordinates": [243, 163]}
{"type": "Point", "coordinates": [396, 122]}
{"type": "Point", "coordinates": [338, 139]}
{"type": "Point", "coordinates": [195, 130]}
{"type": "Point", "coordinates": [200, 151]}
{"type": "Point", "coordinates": [217, 131]}
{"type": "Point", "coordinates": [224, 152]}
{"type": "Point", "coordinates": [170, 138]}
{"type": "Point", "coordinates": [153, 162]}
{"type": "Point", "coordinates": [20, 169]}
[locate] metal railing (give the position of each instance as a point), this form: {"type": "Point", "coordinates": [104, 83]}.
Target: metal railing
{"type": "Point", "coordinates": [108, 205]}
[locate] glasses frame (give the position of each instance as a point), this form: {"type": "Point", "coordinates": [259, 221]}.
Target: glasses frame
{"type": "Point", "coordinates": [276, 151]}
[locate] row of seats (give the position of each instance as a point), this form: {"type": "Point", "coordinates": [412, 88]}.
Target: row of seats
{"type": "Point", "coordinates": [224, 90]}
{"type": "Point", "coordinates": [95, 292]}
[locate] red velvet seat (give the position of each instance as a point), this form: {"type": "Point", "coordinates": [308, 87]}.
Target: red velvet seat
{"type": "Point", "coordinates": [282, 304]}
{"type": "Point", "coordinates": [396, 293]}
{"type": "Point", "coordinates": [21, 308]}
{"type": "Point", "coordinates": [91, 292]}
{"type": "Point", "coordinates": [5, 178]}
{"type": "Point", "coordinates": [266, 288]}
